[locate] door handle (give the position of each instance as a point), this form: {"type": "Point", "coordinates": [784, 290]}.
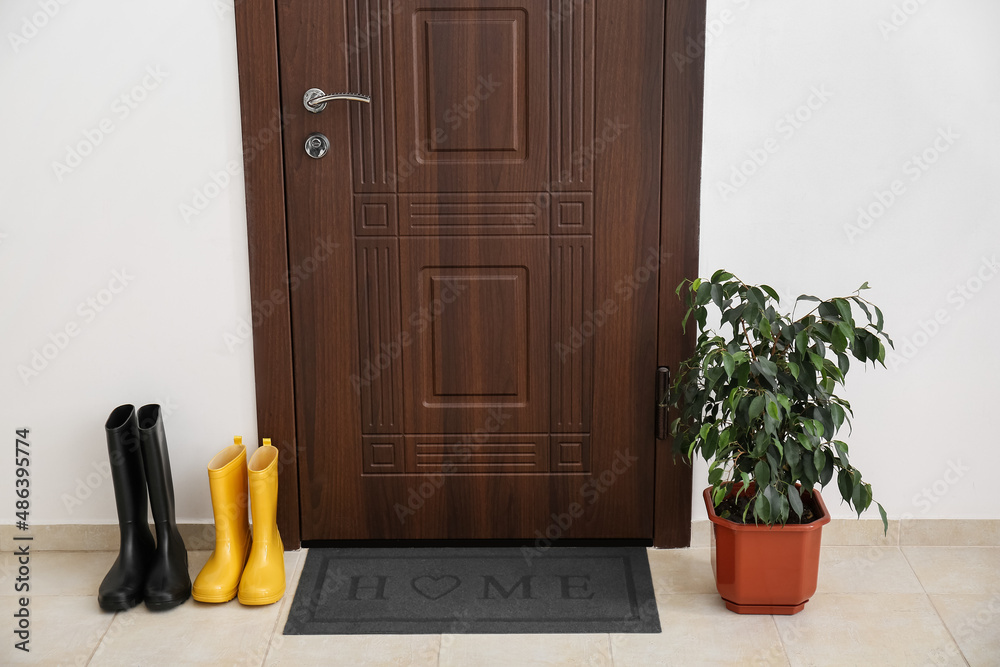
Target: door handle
{"type": "Point", "coordinates": [315, 99]}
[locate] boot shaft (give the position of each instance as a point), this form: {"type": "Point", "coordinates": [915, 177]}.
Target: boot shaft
{"type": "Point", "coordinates": [127, 470]}
{"type": "Point", "coordinates": [153, 442]}
{"type": "Point", "coordinates": [227, 480]}
{"type": "Point", "coordinates": [263, 479]}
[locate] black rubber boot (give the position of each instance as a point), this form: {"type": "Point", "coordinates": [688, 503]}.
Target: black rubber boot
{"type": "Point", "coordinates": [122, 587]}
{"type": "Point", "coordinates": [168, 583]}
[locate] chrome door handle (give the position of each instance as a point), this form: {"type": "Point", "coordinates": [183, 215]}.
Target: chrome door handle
{"type": "Point", "coordinates": [315, 99]}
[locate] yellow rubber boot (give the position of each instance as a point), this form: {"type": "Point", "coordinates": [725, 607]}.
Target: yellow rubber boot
{"type": "Point", "coordinates": [263, 579]}
{"type": "Point", "coordinates": [219, 580]}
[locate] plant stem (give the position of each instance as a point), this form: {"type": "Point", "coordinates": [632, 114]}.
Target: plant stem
{"type": "Point", "coordinates": [747, 336]}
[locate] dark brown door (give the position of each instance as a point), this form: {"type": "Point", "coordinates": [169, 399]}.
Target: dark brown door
{"type": "Point", "coordinates": [473, 291]}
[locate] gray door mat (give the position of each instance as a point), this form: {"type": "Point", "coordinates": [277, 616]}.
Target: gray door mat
{"type": "Point", "coordinates": [474, 590]}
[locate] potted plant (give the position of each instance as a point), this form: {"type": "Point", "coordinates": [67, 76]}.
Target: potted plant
{"type": "Point", "coordinates": [757, 401]}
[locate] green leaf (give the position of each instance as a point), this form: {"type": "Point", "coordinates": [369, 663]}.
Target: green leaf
{"type": "Point", "coordinates": [764, 327]}
{"type": "Point", "coordinates": [757, 406]}
{"type": "Point", "coordinates": [837, 413]}
{"type": "Point", "coordinates": [721, 276]}
{"type": "Point", "coordinates": [709, 446]}
{"type": "Point", "coordinates": [762, 509]}
{"type": "Point", "coordinates": [844, 308]}
{"type": "Point", "coordinates": [809, 468]}
{"type": "Point", "coordinates": [792, 453]}
{"type": "Point", "coordinates": [729, 363]}
{"type": "Point", "coordinates": [724, 439]}
{"type": "Point", "coordinates": [839, 340]}
{"type": "Point", "coordinates": [704, 294]}
{"type": "Point", "coordinates": [817, 361]}
{"type": "Point", "coordinates": [879, 320]}
{"type": "Point", "coordinates": [717, 295]}
{"type": "Point", "coordinates": [771, 292]}
{"type": "Point", "coordinates": [768, 367]}
{"type": "Point", "coordinates": [718, 495]}
{"type": "Point", "coordinates": [773, 410]}
{"type": "Point", "coordinates": [761, 442]}
{"type": "Point", "coordinates": [846, 483]}
{"type": "Point", "coordinates": [778, 504]}
{"type": "Point", "coordinates": [872, 346]}
{"type": "Point", "coordinates": [864, 287]}
{"type": "Point", "coordinates": [802, 341]}
{"type": "Point", "coordinates": [793, 368]}
{"type": "Point", "coordinates": [842, 451]}
{"type": "Point", "coordinates": [862, 497]}
{"type": "Point", "coordinates": [885, 519]}
{"type": "Point", "coordinates": [843, 363]}
{"type": "Point", "coordinates": [795, 501]}
{"type": "Point", "coordinates": [762, 473]}
{"type": "Point", "coordinates": [827, 473]}
{"type": "Point", "coordinates": [819, 460]}
{"type": "Point", "coordinates": [715, 476]}
{"type": "Point", "coordinates": [862, 306]}
{"type": "Point", "coordinates": [806, 297]}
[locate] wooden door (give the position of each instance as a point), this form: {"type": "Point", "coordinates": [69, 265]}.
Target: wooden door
{"type": "Point", "coordinates": [473, 281]}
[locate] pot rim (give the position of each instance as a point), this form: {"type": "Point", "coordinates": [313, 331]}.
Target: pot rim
{"type": "Point", "coordinates": [816, 524]}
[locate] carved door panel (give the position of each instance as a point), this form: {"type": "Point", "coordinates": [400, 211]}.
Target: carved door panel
{"type": "Point", "coordinates": [474, 348]}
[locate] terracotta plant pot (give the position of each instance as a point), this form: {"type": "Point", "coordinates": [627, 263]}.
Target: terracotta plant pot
{"type": "Point", "coordinates": [766, 569]}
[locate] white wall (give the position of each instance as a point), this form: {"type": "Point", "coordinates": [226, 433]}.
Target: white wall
{"type": "Point", "coordinates": [62, 235]}
{"type": "Point", "coordinates": [66, 233]}
{"type": "Point", "coordinates": [794, 222]}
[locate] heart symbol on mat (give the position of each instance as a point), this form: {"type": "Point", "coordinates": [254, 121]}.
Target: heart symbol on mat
{"type": "Point", "coordinates": [435, 588]}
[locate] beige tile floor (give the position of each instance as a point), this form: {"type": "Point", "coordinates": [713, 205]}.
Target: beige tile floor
{"type": "Point", "coordinates": [874, 606]}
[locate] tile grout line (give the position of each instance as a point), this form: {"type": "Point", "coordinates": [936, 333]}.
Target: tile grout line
{"type": "Point", "coordinates": [270, 639]}
{"type": "Point", "coordinates": [611, 643]}
{"type": "Point", "coordinates": [284, 601]}
{"type": "Point", "coordinates": [934, 607]}
{"type": "Point", "coordinates": [101, 640]}
{"type": "Point", "coordinates": [781, 640]}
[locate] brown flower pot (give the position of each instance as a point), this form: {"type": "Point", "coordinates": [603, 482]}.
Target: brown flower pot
{"type": "Point", "coordinates": [766, 569]}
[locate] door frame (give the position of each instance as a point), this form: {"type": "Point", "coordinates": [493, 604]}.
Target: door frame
{"type": "Point", "coordinates": [267, 235]}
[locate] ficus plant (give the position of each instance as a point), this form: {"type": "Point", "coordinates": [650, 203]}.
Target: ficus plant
{"type": "Point", "coordinates": [757, 398]}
